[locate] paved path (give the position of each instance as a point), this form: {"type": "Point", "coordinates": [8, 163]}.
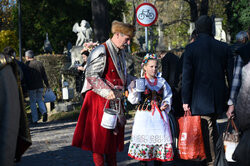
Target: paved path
{"type": "Point", "coordinates": [51, 146]}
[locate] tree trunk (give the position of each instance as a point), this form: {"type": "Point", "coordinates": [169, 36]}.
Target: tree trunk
{"type": "Point", "coordinates": [204, 7]}
{"type": "Point", "coordinates": [100, 20]}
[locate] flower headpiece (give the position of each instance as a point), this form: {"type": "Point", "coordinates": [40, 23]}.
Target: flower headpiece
{"type": "Point", "coordinates": [147, 57]}
{"type": "Point", "coordinates": [89, 46]}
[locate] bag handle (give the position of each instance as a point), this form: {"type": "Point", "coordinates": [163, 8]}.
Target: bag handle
{"type": "Point", "coordinates": [105, 104]}
{"type": "Point", "coordinates": [232, 123]}
{"type": "Point", "coordinates": [119, 107]}
{"type": "Point", "coordinates": [187, 113]}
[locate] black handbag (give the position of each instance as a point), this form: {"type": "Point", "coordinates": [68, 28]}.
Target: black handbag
{"type": "Point", "coordinates": [242, 151]}
{"type": "Point", "coordinates": [220, 159]}
{"type": "Point", "coordinates": [174, 127]}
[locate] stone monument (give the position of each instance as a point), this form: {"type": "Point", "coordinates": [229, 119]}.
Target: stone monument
{"type": "Point", "coordinates": [84, 32]}
{"type": "Point", "coordinates": [47, 46]}
{"type": "Point", "coordinates": [84, 35]}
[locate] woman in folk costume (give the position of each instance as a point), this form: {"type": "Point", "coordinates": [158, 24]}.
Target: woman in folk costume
{"type": "Point", "coordinates": [151, 136]}
{"type": "Point", "coordinates": [105, 69]}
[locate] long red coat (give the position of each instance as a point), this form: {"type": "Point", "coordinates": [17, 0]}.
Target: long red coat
{"type": "Point", "coordinates": [89, 134]}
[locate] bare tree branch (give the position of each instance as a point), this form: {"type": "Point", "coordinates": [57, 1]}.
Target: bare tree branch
{"type": "Point", "coordinates": [193, 10]}
{"type": "Point", "coordinates": [174, 22]}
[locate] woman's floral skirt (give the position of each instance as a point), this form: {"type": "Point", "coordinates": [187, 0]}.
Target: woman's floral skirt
{"type": "Point", "coordinates": [144, 152]}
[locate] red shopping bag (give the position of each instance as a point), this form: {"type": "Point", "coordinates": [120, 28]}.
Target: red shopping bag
{"type": "Point", "coordinates": [190, 143]}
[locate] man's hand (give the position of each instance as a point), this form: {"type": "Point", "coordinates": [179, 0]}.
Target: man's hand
{"type": "Point", "coordinates": [230, 111]}
{"type": "Point", "coordinates": [111, 96]}
{"type": "Point", "coordinates": [164, 106]}
{"type": "Point", "coordinates": [118, 93]}
{"type": "Point", "coordinates": [186, 107]}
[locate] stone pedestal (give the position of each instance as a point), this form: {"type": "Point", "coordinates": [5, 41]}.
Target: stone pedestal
{"type": "Point", "coordinates": [64, 106]}
{"type": "Point", "coordinates": [219, 32]}
{"type": "Point", "coordinates": [69, 75]}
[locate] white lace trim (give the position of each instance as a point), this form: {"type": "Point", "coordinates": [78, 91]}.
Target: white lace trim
{"type": "Point", "coordinates": [150, 139]}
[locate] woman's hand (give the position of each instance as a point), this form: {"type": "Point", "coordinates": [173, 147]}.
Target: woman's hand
{"type": "Point", "coordinates": [164, 106]}
{"type": "Point", "coordinates": [132, 85]}
{"type": "Point", "coordinates": [80, 68]}
{"type": "Point", "coordinates": [230, 111]}
{"type": "Point", "coordinates": [83, 50]}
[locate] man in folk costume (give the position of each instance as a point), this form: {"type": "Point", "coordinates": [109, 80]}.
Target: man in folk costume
{"type": "Point", "coordinates": [105, 70]}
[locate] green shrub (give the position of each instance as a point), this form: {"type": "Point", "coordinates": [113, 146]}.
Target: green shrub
{"type": "Point", "coordinates": [8, 38]}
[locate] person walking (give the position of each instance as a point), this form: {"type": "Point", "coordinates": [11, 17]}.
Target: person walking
{"type": "Point", "coordinates": [241, 39]}
{"type": "Point", "coordinates": [204, 89]}
{"type": "Point", "coordinates": [151, 138]}
{"type": "Point", "coordinates": [35, 75]}
{"type": "Point", "coordinates": [239, 103]}
{"type": "Point", "coordinates": [177, 99]}
{"type": "Point", "coordinates": [237, 65]}
{"type": "Point", "coordinates": [106, 69]}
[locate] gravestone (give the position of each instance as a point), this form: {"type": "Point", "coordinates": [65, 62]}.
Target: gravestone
{"type": "Point", "coordinates": [219, 32]}
{"type": "Point", "coordinates": [47, 46]}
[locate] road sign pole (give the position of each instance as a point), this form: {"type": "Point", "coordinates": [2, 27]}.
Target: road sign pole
{"type": "Point", "coordinates": [146, 38]}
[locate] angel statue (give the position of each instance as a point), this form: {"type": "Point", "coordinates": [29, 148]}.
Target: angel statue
{"type": "Point", "coordinates": [84, 32]}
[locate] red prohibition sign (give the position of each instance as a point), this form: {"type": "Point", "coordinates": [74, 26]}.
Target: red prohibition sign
{"type": "Point", "coordinates": [146, 14]}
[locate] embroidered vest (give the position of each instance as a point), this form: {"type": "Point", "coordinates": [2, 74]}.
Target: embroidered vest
{"type": "Point", "coordinates": [149, 98]}
{"type": "Point", "coordinates": [110, 74]}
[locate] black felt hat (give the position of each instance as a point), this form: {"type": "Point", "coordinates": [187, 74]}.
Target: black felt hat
{"type": "Point", "coordinates": [204, 24]}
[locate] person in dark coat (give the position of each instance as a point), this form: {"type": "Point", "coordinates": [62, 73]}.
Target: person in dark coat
{"type": "Point", "coordinates": [177, 99]}
{"type": "Point", "coordinates": [80, 77]}
{"type": "Point", "coordinates": [35, 76]}
{"type": "Point", "coordinates": [204, 88]}
{"type": "Point", "coordinates": [168, 63]}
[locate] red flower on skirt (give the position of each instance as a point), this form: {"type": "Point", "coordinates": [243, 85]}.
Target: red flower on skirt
{"type": "Point", "coordinates": [168, 155]}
